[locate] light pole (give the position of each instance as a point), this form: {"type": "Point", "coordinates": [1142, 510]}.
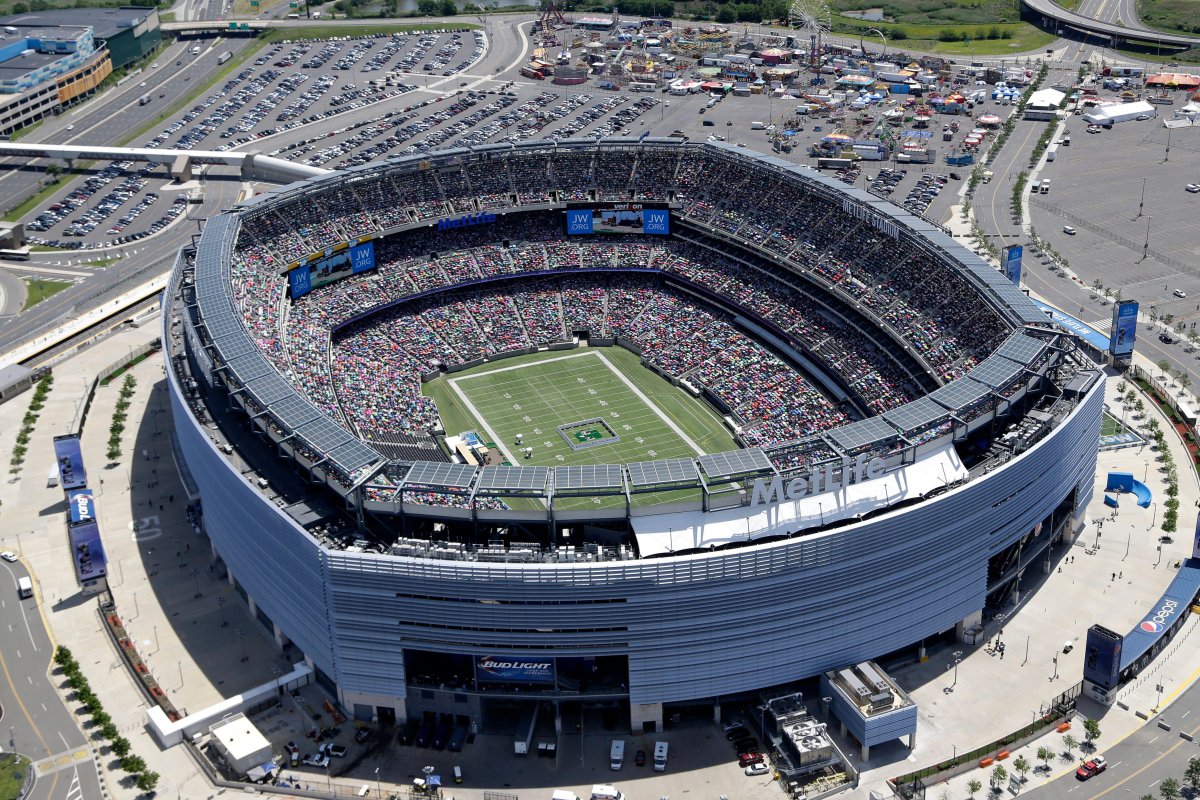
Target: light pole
{"type": "Point", "coordinates": [1167, 154]}
{"type": "Point", "coordinates": [1055, 660]}
{"type": "Point", "coordinates": [1142, 202]}
{"type": "Point", "coordinates": [957, 658]}
{"type": "Point", "coordinates": [1153, 515]}
{"type": "Point", "coordinates": [1146, 246]}
{"type": "Point", "coordinates": [378, 790]}
{"type": "Point", "coordinates": [241, 641]}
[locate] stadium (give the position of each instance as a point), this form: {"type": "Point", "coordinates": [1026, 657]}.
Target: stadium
{"type": "Point", "coordinates": [638, 424]}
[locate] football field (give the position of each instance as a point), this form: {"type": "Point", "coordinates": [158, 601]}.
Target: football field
{"type": "Point", "coordinates": [590, 406]}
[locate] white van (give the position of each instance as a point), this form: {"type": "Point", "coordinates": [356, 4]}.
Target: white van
{"type": "Point", "coordinates": [757, 126]}
{"type": "Point", "coordinates": [660, 756]}
{"type": "Point", "coordinates": [24, 587]}
{"type": "Point", "coordinates": [196, 50]}
{"type": "Point", "coordinates": [616, 754]}
{"type": "Point", "coordinates": [601, 791]}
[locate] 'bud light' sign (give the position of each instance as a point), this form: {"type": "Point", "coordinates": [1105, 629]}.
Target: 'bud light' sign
{"type": "Point", "coordinates": [512, 669]}
{"type": "Point", "coordinates": [82, 506]}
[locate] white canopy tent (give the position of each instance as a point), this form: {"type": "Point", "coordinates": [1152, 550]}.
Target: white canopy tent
{"type": "Point", "coordinates": [662, 534]}
{"type": "Point", "coordinates": [1121, 112]}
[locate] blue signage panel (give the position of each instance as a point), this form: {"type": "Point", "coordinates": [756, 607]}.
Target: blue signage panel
{"type": "Point", "coordinates": [82, 506]}
{"type": "Point", "coordinates": [656, 221]}
{"type": "Point", "coordinates": [1102, 657]}
{"type": "Point", "coordinates": [512, 669]}
{"type": "Point", "coordinates": [300, 281]}
{"type": "Point", "coordinates": [71, 473]}
{"type": "Point", "coordinates": [579, 220]}
{"type": "Point", "coordinates": [1124, 329]}
{"type": "Point", "coordinates": [1196, 546]}
{"type": "Point", "coordinates": [1012, 263]}
{"type": "Point", "coordinates": [87, 552]}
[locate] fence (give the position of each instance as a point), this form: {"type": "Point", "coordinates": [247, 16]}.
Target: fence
{"type": "Point", "coordinates": [913, 786]}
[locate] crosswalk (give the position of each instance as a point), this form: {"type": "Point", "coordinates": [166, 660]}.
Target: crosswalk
{"type": "Point", "coordinates": [75, 791]}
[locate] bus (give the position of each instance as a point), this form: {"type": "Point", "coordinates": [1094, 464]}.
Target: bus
{"type": "Point", "coordinates": [15, 255]}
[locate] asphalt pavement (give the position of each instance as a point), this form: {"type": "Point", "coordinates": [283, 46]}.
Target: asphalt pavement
{"type": "Point", "coordinates": [35, 721]}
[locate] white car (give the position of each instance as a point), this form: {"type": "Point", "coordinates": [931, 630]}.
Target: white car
{"type": "Point", "coordinates": [1143, 117]}
{"type": "Point", "coordinates": [757, 769]}
{"type": "Point", "coordinates": [8, 556]}
{"type": "Point", "coordinates": [1194, 188]}
{"type": "Point", "coordinates": [1067, 229]}
{"type": "Point", "coordinates": [1179, 293]}
{"type": "Point", "coordinates": [318, 760]}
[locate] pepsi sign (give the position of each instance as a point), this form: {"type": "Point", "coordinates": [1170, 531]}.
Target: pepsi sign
{"type": "Point", "coordinates": [505, 669]}
{"type": "Point", "coordinates": [82, 506]}
{"type": "Point", "coordinates": [1157, 622]}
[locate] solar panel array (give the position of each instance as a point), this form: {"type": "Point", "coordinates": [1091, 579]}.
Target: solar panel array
{"type": "Point", "coordinates": [520, 479]}
{"type": "Point", "coordinates": [666, 470]}
{"type": "Point", "coordinates": [863, 434]}
{"type": "Point", "coordinates": [735, 462]}
{"type": "Point", "coordinates": [589, 476]}
{"type": "Point", "coordinates": [439, 475]}
{"type": "Point", "coordinates": [997, 372]}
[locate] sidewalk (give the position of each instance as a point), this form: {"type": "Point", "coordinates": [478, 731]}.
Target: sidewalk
{"type": "Point", "coordinates": [193, 645]}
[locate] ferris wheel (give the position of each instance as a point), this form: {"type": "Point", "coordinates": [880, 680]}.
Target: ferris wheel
{"type": "Point", "coordinates": [812, 17]}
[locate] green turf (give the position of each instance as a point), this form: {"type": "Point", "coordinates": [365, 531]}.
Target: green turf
{"type": "Point", "coordinates": [533, 395]}
{"type": "Point", "coordinates": [13, 772]}
{"type": "Point", "coordinates": [1111, 426]}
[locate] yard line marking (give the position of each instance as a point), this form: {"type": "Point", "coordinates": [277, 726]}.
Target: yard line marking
{"type": "Point", "coordinates": [651, 405]}
{"type": "Point", "coordinates": [483, 423]}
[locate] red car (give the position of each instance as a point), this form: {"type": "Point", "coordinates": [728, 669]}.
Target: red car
{"type": "Point", "coordinates": [1091, 768]}
{"type": "Point", "coordinates": [640, 758]}
{"type": "Point", "coordinates": [746, 759]}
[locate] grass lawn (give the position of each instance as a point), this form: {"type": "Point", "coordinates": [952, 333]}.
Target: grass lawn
{"type": "Point", "coordinates": [1176, 16]}
{"type": "Point", "coordinates": [971, 39]}
{"type": "Point", "coordinates": [10, 768]}
{"type": "Point", "coordinates": [1110, 425]}
{"type": "Point", "coordinates": [38, 290]}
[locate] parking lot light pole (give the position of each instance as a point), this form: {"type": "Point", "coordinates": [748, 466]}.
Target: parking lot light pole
{"type": "Point", "coordinates": [1146, 246]}
{"type": "Point", "coordinates": [1142, 202]}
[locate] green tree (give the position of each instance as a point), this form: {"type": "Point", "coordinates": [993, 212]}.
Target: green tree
{"type": "Point", "coordinates": [999, 775]}
{"type": "Point", "coordinates": [428, 7]}
{"type": "Point", "coordinates": [1044, 754]}
{"type": "Point", "coordinates": [973, 787]}
{"type": "Point", "coordinates": [133, 764]}
{"type": "Point", "coordinates": [1192, 775]}
{"type": "Point", "coordinates": [1070, 742]}
{"type": "Point", "coordinates": [726, 15]}
{"type": "Point", "coordinates": [1169, 789]}
{"type": "Point", "coordinates": [20, 8]}
{"type": "Point", "coordinates": [1091, 730]}
{"type": "Point", "coordinates": [449, 9]}
{"type": "Point", "coordinates": [147, 781]}
{"type": "Point", "coordinates": [120, 747]}
{"type": "Point", "coordinates": [1021, 766]}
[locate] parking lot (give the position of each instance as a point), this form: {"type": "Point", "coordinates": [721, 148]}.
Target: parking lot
{"type": "Point", "coordinates": [701, 758]}
{"type": "Point", "coordinates": [287, 87]}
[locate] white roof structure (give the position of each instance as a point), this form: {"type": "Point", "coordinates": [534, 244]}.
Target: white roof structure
{"type": "Point", "coordinates": [241, 743]}
{"type": "Point", "coordinates": [1045, 98]}
{"type": "Point", "coordinates": [1120, 112]}
{"type": "Point", "coordinates": [663, 534]}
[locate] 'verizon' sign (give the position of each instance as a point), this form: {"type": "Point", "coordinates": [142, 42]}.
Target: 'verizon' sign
{"type": "Point", "coordinates": [827, 479]}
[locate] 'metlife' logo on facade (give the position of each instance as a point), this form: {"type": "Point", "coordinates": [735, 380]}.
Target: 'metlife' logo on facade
{"type": "Point", "coordinates": [466, 222]}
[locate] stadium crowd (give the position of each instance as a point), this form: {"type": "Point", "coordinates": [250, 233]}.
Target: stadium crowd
{"type": "Point", "coordinates": [368, 374]}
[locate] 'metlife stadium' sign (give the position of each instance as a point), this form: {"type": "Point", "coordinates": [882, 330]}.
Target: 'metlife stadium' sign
{"type": "Point", "coordinates": [830, 478]}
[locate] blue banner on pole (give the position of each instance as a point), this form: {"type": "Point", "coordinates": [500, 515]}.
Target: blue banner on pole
{"type": "Point", "coordinates": [1124, 329]}
{"type": "Point", "coordinates": [1012, 263]}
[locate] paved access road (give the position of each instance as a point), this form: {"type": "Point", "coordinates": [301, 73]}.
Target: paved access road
{"type": "Point", "coordinates": [1137, 765]}
{"type": "Point", "coordinates": [35, 721]}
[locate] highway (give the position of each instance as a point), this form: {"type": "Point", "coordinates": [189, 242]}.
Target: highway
{"type": "Point", "coordinates": [35, 721]}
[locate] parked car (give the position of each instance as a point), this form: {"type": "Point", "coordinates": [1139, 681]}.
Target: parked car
{"type": "Point", "coordinates": [9, 556]}
{"type": "Point", "coordinates": [318, 760]}
{"type": "Point", "coordinates": [639, 759]}
{"type": "Point", "coordinates": [746, 759]}
{"type": "Point", "coordinates": [757, 769]}
{"type": "Point", "coordinates": [1068, 230]}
